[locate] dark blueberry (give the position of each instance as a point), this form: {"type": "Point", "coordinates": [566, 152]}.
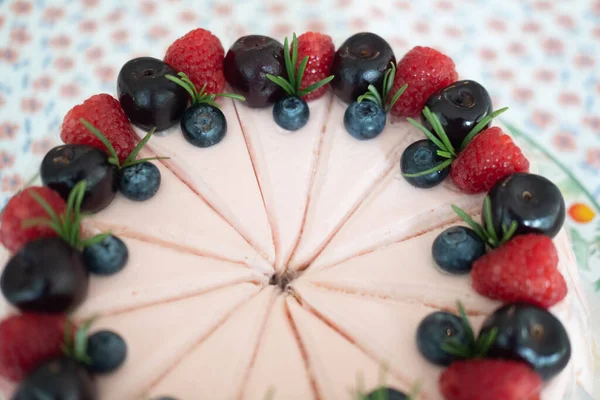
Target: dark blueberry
{"type": "Point", "coordinates": [247, 64]}
{"type": "Point", "coordinates": [291, 113]}
{"type": "Point", "coordinates": [107, 351]}
{"type": "Point", "coordinates": [58, 379]}
{"type": "Point", "coordinates": [435, 330]}
{"type": "Point", "coordinates": [64, 166]}
{"type": "Point", "coordinates": [421, 156]}
{"type": "Point", "coordinates": [203, 125]}
{"type": "Point", "coordinates": [359, 62]}
{"type": "Point", "coordinates": [364, 120]}
{"type": "Point", "coordinates": [534, 202]}
{"type": "Point", "coordinates": [107, 257]}
{"type": "Point", "coordinates": [459, 107]}
{"type": "Point", "coordinates": [531, 334]}
{"type": "Point", "coordinates": [46, 275]}
{"type": "Point", "coordinates": [387, 394]}
{"type": "Point", "coordinates": [140, 182]}
{"type": "Point", "coordinates": [147, 97]}
{"type": "Point", "coordinates": [456, 249]}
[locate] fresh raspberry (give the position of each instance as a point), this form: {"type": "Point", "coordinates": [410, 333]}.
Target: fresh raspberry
{"type": "Point", "coordinates": [522, 270]}
{"type": "Point", "coordinates": [320, 51]}
{"type": "Point", "coordinates": [200, 55]}
{"type": "Point", "coordinates": [23, 207]}
{"type": "Point", "coordinates": [490, 380]}
{"type": "Point", "coordinates": [104, 112]}
{"type": "Point", "coordinates": [489, 157]}
{"type": "Point", "coordinates": [426, 71]}
{"type": "Point", "coordinates": [27, 340]}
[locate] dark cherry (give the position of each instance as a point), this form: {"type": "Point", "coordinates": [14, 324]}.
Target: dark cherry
{"type": "Point", "coordinates": [534, 202]}
{"type": "Point", "coordinates": [247, 64]}
{"type": "Point", "coordinates": [147, 97]}
{"type": "Point", "coordinates": [459, 107]}
{"type": "Point", "coordinates": [46, 275]}
{"type": "Point", "coordinates": [64, 166]}
{"type": "Point", "coordinates": [531, 334]}
{"type": "Point", "coordinates": [359, 62]}
{"type": "Point", "coordinates": [58, 379]}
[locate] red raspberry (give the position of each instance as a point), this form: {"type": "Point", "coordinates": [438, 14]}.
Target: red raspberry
{"type": "Point", "coordinates": [23, 207]}
{"type": "Point", "coordinates": [490, 380]}
{"type": "Point", "coordinates": [105, 113]}
{"type": "Point", "coordinates": [27, 340]}
{"type": "Point", "coordinates": [320, 51]}
{"type": "Point", "coordinates": [489, 157]}
{"type": "Point", "coordinates": [522, 270]}
{"type": "Point", "coordinates": [200, 55]}
{"type": "Point", "coordinates": [426, 71]}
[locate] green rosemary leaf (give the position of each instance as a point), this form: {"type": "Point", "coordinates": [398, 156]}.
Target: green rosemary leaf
{"type": "Point", "coordinates": [396, 97]}
{"type": "Point", "coordinates": [489, 222]}
{"type": "Point", "coordinates": [294, 57]}
{"type": "Point", "coordinates": [131, 157]}
{"type": "Point", "coordinates": [189, 82]}
{"type": "Point", "coordinates": [285, 85]}
{"type": "Point", "coordinates": [68, 337]}
{"type": "Point", "coordinates": [183, 85]}
{"type": "Point", "coordinates": [367, 96]}
{"type": "Point", "coordinates": [30, 223]}
{"type": "Point", "coordinates": [437, 168]}
{"type": "Point", "coordinates": [469, 221]}
{"type": "Point", "coordinates": [454, 348]}
{"type": "Point", "coordinates": [439, 130]}
{"type": "Point", "coordinates": [80, 344]}
{"type": "Point", "coordinates": [444, 154]}
{"type": "Point", "coordinates": [95, 239]}
{"type": "Point", "coordinates": [143, 160]}
{"type": "Point", "coordinates": [429, 135]}
{"type": "Point", "coordinates": [289, 67]}
{"type": "Point", "coordinates": [315, 86]}
{"type": "Point", "coordinates": [480, 125]}
{"type": "Point", "coordinates": [463, 316]}
{"type": "Point", "coordinates": [103, 139]}
{"type": "Point", "coordinates": [509, 233]}
{"type": "Point", "coordinates": [231, 96]}
{"type": "Point", "coordinates": [300, 73]}
{"type": "Point", "coordinates": [384, 91]}
{"type": "Point", "coordinates": [485, 342]}
{"type": "Point", "coordinates": [373, 90]}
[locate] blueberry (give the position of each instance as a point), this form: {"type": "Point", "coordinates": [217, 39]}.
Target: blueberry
{"type": "Point", "coordinates": [291, 113]}
{"type": "Point", "coordinates": [107, 257]}
{"type": "Point", "coordinates": [364, 120]}
{"type": "Point", "coordinates": [147, 97]}
{"type": "Point", "coordinates": [459, 107]}
{"type": "Point", "coordinates": [456, 249]}
{"type": "Point", "coordinates": [388, 394]}
{"type": "Point", "coordinates": [203, 125]}
{"type": "Point", "coordinates": [140, 182]}
{"type": "Point", "coordinates": [534, 202]}
{"type": "Point", "coordinates": [107, 351]}
{"type": "Point", "coordinates": [64, 166]}
{"type": "Point", "coordinates": [436, 329]}
{"type": "Point", "coordinates": [531, 334]}
{"type": "Point", "coordinates": [59, 378]}
{"type": "Point", "coordinates": [360, 61]}
{"type": "Point", "coordinates": [421, 156]}
{"type": "Point", "coordinates": [47, 276]}
{"type": "Point", "coordinates": [247, 64]}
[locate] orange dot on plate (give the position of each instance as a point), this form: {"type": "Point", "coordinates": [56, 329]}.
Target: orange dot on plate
{"type": "Point", "coordinates": [581, 213]}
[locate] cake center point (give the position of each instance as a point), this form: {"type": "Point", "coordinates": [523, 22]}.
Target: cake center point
{"type": "Point", "coordinates": [284, 278]}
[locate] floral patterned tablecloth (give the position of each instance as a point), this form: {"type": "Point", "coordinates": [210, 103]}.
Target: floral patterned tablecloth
{"type": "Point", "coordinates": [540, 57]}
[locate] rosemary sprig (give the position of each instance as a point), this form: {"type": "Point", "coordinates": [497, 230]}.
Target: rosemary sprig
{"type": "Point", "coordinates": [383, 99]}
{"type": "Point", "coordinates": [113, 156]}
{"type": "Point", "coordinates": [76, 346]}
{"type": "Point", "coordinates": [295, 72]}
{"type": "Point", "coordinates": [475, 347]}
{"type": "Point", "coordinates": [439, 137]}
{"type": "Point", "coordinates": [200, 96]}
{"type": "Point", "coordinates": [67, 225]}
{"type": "Point", "coordinates": [486, 231]}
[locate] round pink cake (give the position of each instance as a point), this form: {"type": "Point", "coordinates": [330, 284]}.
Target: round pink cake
{"type": "Point", "coordinates": [292, 265]}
